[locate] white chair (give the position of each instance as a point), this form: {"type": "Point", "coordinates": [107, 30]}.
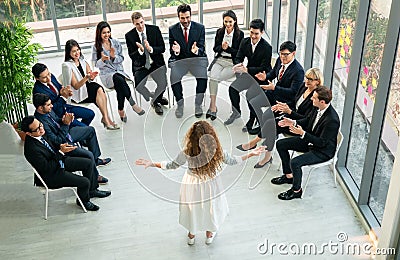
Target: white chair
{"type": "Point", "coordinates": [45, 190]}
{"type": "Point", "coordinates": [331, 162]}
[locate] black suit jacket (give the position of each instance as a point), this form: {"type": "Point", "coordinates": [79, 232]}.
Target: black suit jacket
{"type": "Point", "coordinates": [236, 40]}
{"type": "Point", "coordinates": [305, 107]}
{"type": "Point", "coordinates": [155, 40]}
{"type": "Point", "coordinates": [323, 139]}
{"type": "Point", "coordinates": [42, 159]}
{"type": "Point", "coordinates": [287, 87]}
{"type": "Point", "coordinates": [258, 61]}
{"type": "Point", "coordinates": [196, 34]}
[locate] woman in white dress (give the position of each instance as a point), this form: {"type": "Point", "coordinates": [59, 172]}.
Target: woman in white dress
{"type": "Point", "coordinates": [203, 205]}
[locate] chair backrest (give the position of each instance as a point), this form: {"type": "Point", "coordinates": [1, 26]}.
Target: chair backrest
{"type": "Point", "coordinates": [39, 177]}
{"type": "Point", "coordinates": [338, 142]}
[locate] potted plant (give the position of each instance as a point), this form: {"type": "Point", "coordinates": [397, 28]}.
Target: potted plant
{"type": "Point", "coordinates": [16, 60]}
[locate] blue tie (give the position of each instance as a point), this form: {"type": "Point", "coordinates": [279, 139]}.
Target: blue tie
{"type": "Point", "coordinates": [51, 149]}
{"type": "Point", "coordinates": [69, 137]}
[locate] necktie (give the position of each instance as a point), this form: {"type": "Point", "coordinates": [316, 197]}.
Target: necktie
{"type": "Point", "coordinates": [186, 35]}
{"type": "Point", "coordinates": [51, 149]}
{"type": "Point", "coordinates": [281, 72]}
{"type": "Point", "coordinates": [52, 88]}
{"type": "Point", "coordinates": [146, 52]}
{"type": "Point", "coordinates": [69, 137]}
{"type": "Point", "coordinates": [319, 114]}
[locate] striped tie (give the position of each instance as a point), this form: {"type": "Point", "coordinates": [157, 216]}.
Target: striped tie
{"type": "Point", "coordinates": [51, 149]}
{"type": "Point", "coordinates": [281, 73]}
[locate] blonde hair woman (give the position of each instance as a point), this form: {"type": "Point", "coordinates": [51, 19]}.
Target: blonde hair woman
{"type": "Point", "coordinates": [303, 106]}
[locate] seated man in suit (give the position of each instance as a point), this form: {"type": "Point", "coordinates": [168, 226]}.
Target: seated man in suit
{"type": "Point", "coordinates": [258, 53]}
{"type": "Point", "coordinates": [289, 74]}
{"type": "Point", "coordinates": [58, 131]}
{"type": "Point", "coordinates": [187, 48]}
{"type": "Point", "coordinates": [55, 168]}
{"type": "Point", "coordinates": [317, 139]}
{"type": "Point", "coordinates": [47, 84]}
{"type": "Point", "coordinates": [146, 47]}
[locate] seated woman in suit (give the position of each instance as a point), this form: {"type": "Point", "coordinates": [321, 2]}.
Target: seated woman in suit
{"type": "Point", "coordinates": [227, 41]}
{"type": "Point", "coordinates": [107, 56]}
{"type": "Point", "coordinates": [77, 73]}
{"type": "Point", "coordinates": [303, 106]}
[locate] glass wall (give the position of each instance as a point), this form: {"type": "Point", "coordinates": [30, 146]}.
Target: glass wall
{"type": "Point", "coordinates": [387, 150]}
{"type": "Point", "coordinates": [302, 9]}
{"type": "Point", "coordinates": [368, 84]}
{"type": "Point", "coordinates": [283, 27]}
{"type": "Point", "coordinates": [321, 33]}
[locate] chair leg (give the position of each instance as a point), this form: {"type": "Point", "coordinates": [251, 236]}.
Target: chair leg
{"type": "Point", "coordinates": [308, 179]}
{"type": "Point", "coordinates": [110, 106]}
{"type": "Point", "coordinates": [46, 203]}
{"type": "Point", "coordinates": [80, 201]}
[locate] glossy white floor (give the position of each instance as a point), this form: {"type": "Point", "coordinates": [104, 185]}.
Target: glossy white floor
{"type": "Point", "coordinates": [136, 224]}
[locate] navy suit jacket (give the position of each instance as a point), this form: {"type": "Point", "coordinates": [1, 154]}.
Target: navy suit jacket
{"type": "Point", "coordinates": [323, 139]}
{"type": "Point", "coordinates": [196, 34]}
{"type": "Point", "coordinates": [258, 61]}
{"type": "Point", "coordinates": [155, 40]}
{"type": "Point", "coordinates": [57, 101]}
{"type": "Point", "coordinates": [53, 133]}
{"type": "Point", "coordinates": [286, 88]}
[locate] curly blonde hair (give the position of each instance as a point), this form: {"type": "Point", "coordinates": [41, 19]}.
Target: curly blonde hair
{"type": "Point", "coordinates": [203, 149]}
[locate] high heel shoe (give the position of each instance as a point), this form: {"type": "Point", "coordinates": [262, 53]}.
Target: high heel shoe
{"type": "Point", "coordinates": [113, 126]}
{"type": "Point", "coordinates": [211, 115]}
{"type": "Point", "coordinates": [258, 165]}
{"type": "Point", "coordinates": [123, 118]}
{"type": "Point", "coordinates": [140, 112]}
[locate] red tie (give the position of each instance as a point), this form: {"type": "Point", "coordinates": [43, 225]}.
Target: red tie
{"type": "Point", "coordinates": [186, 35]}
{"type": "Point", "coordinates": [52, 88]}
{"type": "Point", "coordinates": [281, 73]}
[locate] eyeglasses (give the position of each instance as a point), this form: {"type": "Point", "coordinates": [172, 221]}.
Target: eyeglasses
{"type": "Point", "coordinates": [310, 79]}
{"type": "Point", "coordinates": [37, 129]}
{"type": "Point", "coordinates": [285, 54]}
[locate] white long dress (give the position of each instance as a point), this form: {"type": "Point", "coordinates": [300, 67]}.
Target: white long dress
{"type": "Point", "coordinates": [203, 205]}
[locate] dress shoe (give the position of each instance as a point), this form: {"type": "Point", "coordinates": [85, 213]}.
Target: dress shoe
{"type": "Point", "coordinates": [102, 180]}
{"type": "Point", "coordinates": [233, 117]}
{"type": "Point", "coordinates": [157, 108]}
{"type": "Point", "coordinates": [198, 111]}
{"type": "Point", "coordinates": [258, 165]}
{"type": "Point", "coordinates": [240, 147]}
{"type": "Point", "coordinates": [163, 101]}
{"type": "Point", "coordinates": [99, 193]}
{"type": "Point", "coordinates": [103, 162]}
{"type": "Point", "coordinates": [138, 110]}
{"type": "Point", "coordinates": [112, 126]}
{"type": "Point", "coordinates": [209, 240]}
{"type": "Point", "coordinates": [282, 180]}
{"type": "Point", "coordinates": [88, 205]}
{"type": "Point", "coordinates": [208, 113]}
{"type": "Point", "coordinates": [254, 131]}
{"type": "Point", "coordinates": [290, 194]}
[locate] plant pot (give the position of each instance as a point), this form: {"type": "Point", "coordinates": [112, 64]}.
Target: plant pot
{"type": "Point", "coordinates": [21, 134]}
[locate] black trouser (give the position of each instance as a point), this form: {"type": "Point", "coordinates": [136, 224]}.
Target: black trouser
{"type": "Point", "coordinates": [123, 91]}
{"type": "Point", "coordinates": [159, 75]}
{"type": "Point", "coordinates": [294, 165]}
{"type": "Point", "coordinates": [84, 183]}
{"type": "Point", "coordinates": [198, 68]}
